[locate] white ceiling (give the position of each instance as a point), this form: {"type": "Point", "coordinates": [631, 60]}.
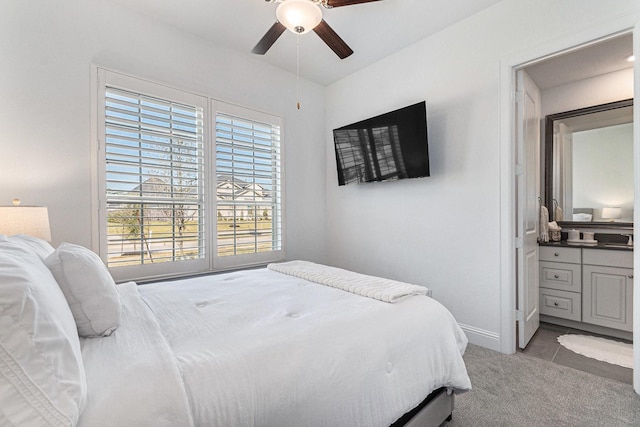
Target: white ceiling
{"type": "Point", "coordinates": [373, 30]}
{"type": "Point", "coordinates": [589, 61]}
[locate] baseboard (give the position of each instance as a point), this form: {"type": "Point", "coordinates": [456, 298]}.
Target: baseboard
{"type": "Point", "coordinates": [482, 337]}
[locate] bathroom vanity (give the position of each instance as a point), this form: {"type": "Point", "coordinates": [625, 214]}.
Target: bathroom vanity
{"type": "Point", "coordinates": [589, 175]}
{"type": "Point", "coordinates": [587, 287]}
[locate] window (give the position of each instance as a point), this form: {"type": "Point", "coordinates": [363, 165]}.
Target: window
{"type": "Point", "coordinates": [248, 184]}
{"type": "Point", "coordinates": [154, 178]}
{"type": "Point", "coordinates": [176, 197]}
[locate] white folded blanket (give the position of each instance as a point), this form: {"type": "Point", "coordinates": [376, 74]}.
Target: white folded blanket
{"type": "Point", "coordinates": [368, 286]}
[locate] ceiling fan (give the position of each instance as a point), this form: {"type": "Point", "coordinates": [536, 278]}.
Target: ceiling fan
{"type": "Point", "coordinates": [302, 16]}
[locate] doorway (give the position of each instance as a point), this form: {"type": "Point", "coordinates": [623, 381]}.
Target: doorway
{"type": "Point", "coordinates": [598, 73]}
{"type": "Point", "coordinates": [509, 239]}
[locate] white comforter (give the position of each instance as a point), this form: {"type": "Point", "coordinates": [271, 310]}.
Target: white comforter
{"type": "Point", "coordinates": [132, 375]}
{"type": "Point", "coordinates": [259, 348]}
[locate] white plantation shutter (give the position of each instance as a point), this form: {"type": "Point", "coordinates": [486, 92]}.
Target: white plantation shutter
{"type": "Point", "coordinates": [248, 185]}
{"type": "Point", "coordinates": [154, 180]}
{"type": "Point", "coordinates": [179, 190]}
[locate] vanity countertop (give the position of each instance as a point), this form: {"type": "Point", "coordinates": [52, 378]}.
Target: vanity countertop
{"type": "Point", "coordinates": [614, 246]}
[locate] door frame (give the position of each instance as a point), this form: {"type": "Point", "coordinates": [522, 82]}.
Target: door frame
{"type": "Point", "coordinates": [508, 67]}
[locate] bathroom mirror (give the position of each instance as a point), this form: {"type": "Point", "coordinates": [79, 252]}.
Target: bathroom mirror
{"type": "Point", "coordinates": [589, 165]}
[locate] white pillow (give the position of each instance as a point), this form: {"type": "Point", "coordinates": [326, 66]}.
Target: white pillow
{"type": "Point", "coordinates": [88, 288]}
{"type": "Point", "coordinates": [42, 377]}
{"type": "Point", "coordinates": [40, 247]}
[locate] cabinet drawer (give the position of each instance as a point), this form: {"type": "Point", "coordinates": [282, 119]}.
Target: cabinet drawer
{"type": "Point", "coordinates": [561, 276]}
{"type": "Point", "coordinates": [608, 258]}
{"type": "Point", "coordinates": [556, 254]}
{"type": "Point", "coordinates": [566, 305]}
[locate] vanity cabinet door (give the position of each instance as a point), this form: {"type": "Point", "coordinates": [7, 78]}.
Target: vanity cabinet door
{"type": "Point", "coordinates": [607, 296]}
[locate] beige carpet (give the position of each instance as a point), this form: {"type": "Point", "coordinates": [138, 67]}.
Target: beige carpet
{"type": "Point", "coordinates": [518, 390]}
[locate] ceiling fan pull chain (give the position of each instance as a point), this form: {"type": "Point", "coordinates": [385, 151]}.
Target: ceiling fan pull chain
{"type": "Point", "coordinates": [298, 71]}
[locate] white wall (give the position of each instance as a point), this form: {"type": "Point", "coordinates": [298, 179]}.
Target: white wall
{"type": "Point", "coordinates": [444, 231]}
{"type": "Point", "coordinates": [47, 49]}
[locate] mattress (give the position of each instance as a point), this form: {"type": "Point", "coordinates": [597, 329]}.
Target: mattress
{"type": "Point", "coordinates": [260, 348]}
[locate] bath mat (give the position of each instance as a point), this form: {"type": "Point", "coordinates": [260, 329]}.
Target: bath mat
{"type": "Point", "coordinates": [603, 349]}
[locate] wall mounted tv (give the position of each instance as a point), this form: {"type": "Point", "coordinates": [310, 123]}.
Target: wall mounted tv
{"type": "Point", "coordinates": [390, 146]}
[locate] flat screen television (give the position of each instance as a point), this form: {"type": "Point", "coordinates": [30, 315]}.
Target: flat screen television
{"type": "Point", "coordinates": [390, 146]}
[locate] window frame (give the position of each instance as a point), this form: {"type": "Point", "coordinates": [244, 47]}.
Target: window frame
{"type": "Point", "coordinates": [211, 262]}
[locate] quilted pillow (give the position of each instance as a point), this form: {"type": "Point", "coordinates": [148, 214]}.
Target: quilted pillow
{"type": "Point", "coordinates": [42, 377]}
{"type": "Point", "coordinates": [40, 247]}
{"type": "Point", "coordinates": [88, 288]}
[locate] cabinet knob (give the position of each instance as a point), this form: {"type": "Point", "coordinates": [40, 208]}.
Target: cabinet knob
{"type": "Point", "coordinates": [555, 303]}
{"type": "Point", "coordinates": [630, 276]}
{"type": "Point", "coordinates": [556, 254]}
{"type": "Point", "coordinates": [556, 276]}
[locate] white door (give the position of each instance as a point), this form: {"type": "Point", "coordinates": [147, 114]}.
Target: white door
{"type": "Point", "coordinates": [528, 204]}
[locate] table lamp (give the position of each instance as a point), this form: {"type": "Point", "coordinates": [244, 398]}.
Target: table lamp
{"type": "Point", "coordinates": [611, 213]}
{"type": "Point", "coordinates": [30, 220]}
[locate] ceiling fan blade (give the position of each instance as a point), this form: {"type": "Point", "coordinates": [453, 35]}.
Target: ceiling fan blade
{"type": "Point", "coordinates": [338, 3]}
{"type": "Point", "coordinates": [332, 39]}
{"type": "Point", "coordinates": [269, 38]}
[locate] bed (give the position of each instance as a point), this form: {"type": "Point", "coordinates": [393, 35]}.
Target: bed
{"type": "Point", "coordinates": [293, 344]}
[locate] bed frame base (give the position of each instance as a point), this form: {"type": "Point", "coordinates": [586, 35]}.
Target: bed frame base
{"type": "Point", "coordinates": [436, 413]}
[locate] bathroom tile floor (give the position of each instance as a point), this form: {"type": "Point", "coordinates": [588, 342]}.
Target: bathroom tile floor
{"type": "Point", "coordinates": [545, 345]}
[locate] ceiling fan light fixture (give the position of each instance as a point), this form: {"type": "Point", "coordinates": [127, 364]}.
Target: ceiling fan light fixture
{"type": "Point", "coordinates": [299, 16]}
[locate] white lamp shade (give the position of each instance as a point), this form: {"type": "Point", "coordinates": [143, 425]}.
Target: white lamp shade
{"type": "Point", "coordinates": [612, 213]}
{"type": "Point", "coordinates": [299, 16]}
{"type": "Point", "coordinates": [30, 220]}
